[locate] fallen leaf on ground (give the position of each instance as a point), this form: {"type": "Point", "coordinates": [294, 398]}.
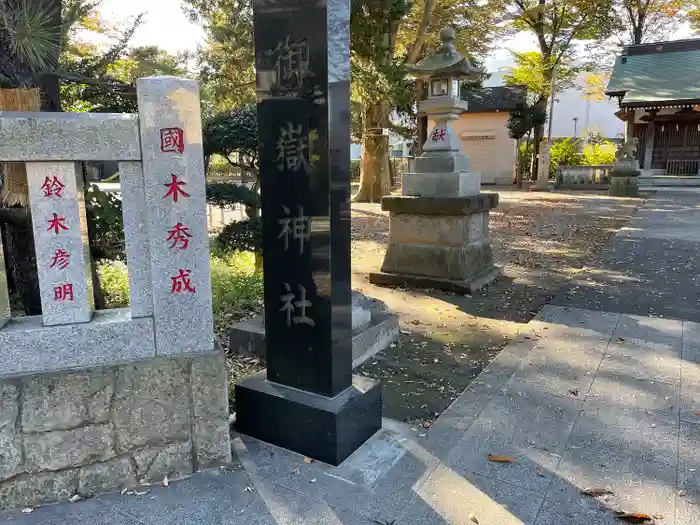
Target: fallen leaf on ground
{"type": "Point", "coordinates": [633, 517]}
{"type": "Point", "coordinates": [596, 491]}
{"type": "Point", "coordinates": [308, 460]}
{"type": "Point", "coordinates": [496, 458]}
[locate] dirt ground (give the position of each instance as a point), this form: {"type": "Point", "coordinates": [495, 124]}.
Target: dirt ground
{"type": "Point", "coordinates": [540, 239]}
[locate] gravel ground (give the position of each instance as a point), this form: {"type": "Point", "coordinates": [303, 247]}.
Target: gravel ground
{"type": "Point", "coordinates": [542, 240]}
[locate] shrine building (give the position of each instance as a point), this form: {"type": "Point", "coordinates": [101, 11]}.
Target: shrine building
{"type": "Point", "coordinates": [657, 87]}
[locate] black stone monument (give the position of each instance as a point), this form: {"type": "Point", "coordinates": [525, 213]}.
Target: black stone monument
{"type": "Point", "coordinates": [307, 400]}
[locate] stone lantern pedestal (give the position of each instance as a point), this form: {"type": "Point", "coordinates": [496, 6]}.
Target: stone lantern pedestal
{"type": "Point", "coordinates": [439, 225]}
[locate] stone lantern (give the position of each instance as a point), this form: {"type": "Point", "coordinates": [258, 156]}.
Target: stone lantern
{"type": "Point", "coordinates": [439, 225]}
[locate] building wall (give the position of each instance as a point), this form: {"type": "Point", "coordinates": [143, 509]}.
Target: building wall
{"type": "Point", "coordinates": [485, 141]}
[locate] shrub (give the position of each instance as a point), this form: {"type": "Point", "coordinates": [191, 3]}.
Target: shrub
{"type": "Point", "coordinates": [599, 154]}
{"type": "Point", "coordinates": [241, 236]}
{"type": "Point", "coordinates": [236, 285]}
{"type": "Point", "coordinates": [114, 282]}
{"type": "Point", "coordinates": [355, 165]}
{"type": "Point", "coordinates": [563, 153]}
{"type": "Point", "coordinates": [105, 224]}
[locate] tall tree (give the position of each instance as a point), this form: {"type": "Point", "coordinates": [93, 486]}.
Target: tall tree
{"type": "Point", "coordinates": [406, 33]}
{"type": "Point", "coordinates": [228, 58]}
{"type": "Point", "coordinates": [556, 25]}
{"type": "Point", "coordinates": [640, 21]}
{"type": "Point", "coordinates": [378, 86]}
{"type": "Point", "coordinates": [530, 71]}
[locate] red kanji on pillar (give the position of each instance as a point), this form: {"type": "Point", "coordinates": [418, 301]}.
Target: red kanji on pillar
{"type": "Point", "coordinates": [181, 282]}
{"type": "Point", "coordinates": [60, 259]}
{"type": "Point", "coordinates": [172, 140]}
{"type": "Point", "coordinates": [438, 134]}
{"type": "Point", "coordinates": [52, 187]}
{"type": "Point", "coordinates": [56, 224]}
{"type": "Point", "coordinates": [174, 189]}
{"type": "Point", "coordinates": [180, 235]}
{"type": "Point", "coordinates": [63, 292]}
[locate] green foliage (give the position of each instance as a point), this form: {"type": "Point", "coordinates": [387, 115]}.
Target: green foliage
{"type": "Point", "coordinates": [232, 132]}
{"type": "Point", "coordinates": [355, 166]}
{"type": "Point", "coordinates": [226, 62]}
{"type": "Point", "coordinates": [114, 282]}
{"type": "Point", "coordinates": [522, 120]}
{"type": "Point", "coordinates": [599, 154]}
{"type": "Point", "coordinates": [228, 195]}
{"type": "Point", "coordinates": [532, 70]}
{"type": "Point", "coordinates": [120, 64]}
{"type": "Point", "coordinates": [241, 236]}
{"type": "Point", "coordinates": [563, 153]}
{"type": "Point", "coordinates": [236, 286]}
{"type": "Point", "coordinates": [105, 224]}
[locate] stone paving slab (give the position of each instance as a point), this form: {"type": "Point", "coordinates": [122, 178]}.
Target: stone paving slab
{"type": "Point", "coordinates": [651, 266]}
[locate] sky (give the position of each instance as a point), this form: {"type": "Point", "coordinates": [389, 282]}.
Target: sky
{"type": "Point", "coordinates": [166, 25]}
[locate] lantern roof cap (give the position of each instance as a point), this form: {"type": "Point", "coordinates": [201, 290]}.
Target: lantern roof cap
{"type": "Point", "coordinates": [446, 60]}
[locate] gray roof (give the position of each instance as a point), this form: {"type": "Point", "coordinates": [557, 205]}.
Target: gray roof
{"type": "Point", "coordinates": [490, 99]}
{"type": "Point", "coordinates": [665, 72]}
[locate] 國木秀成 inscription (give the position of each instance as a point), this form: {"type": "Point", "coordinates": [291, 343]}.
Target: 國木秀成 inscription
{"type": "Point", "coordinates": [180, 236]}
{"type": "Point", "coordinates": [172, 140]}
{"type": "Point", "coordinates": [182, 283]}
{"type": "Point", "coordinates": [175, 190]}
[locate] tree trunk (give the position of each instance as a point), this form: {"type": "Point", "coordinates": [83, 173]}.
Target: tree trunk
{"type": "Point", "coordinates": [375, 177]}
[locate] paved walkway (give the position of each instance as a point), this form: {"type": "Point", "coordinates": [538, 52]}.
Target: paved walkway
{"type": "Point", "coordinates": [584, 398]}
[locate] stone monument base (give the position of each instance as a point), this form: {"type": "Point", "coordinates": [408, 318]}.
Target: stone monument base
{"type": "Point", "coordinates": [372, 331]}
{"type": "Point", "coordinates": [623, 183]}
{"type": "Point", "coordinates": [439, 242]}
{"type": "Point", "coordinates": [323, 428]}
{"type": "Point", "coordinates": [108, 428]}
{"type": "Point", "coordinates": [458, 183]}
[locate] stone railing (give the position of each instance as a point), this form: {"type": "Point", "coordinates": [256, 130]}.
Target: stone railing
{"type": "Point", "coordinates": [583, 177]}
{"type": "Point", "coordinates": [99, 400]}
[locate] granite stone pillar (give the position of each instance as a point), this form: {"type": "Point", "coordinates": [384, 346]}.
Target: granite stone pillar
{"type": "Point", "coordinates": [307, 400]}
{"type": "Point", "coordinates": [61, 242]}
